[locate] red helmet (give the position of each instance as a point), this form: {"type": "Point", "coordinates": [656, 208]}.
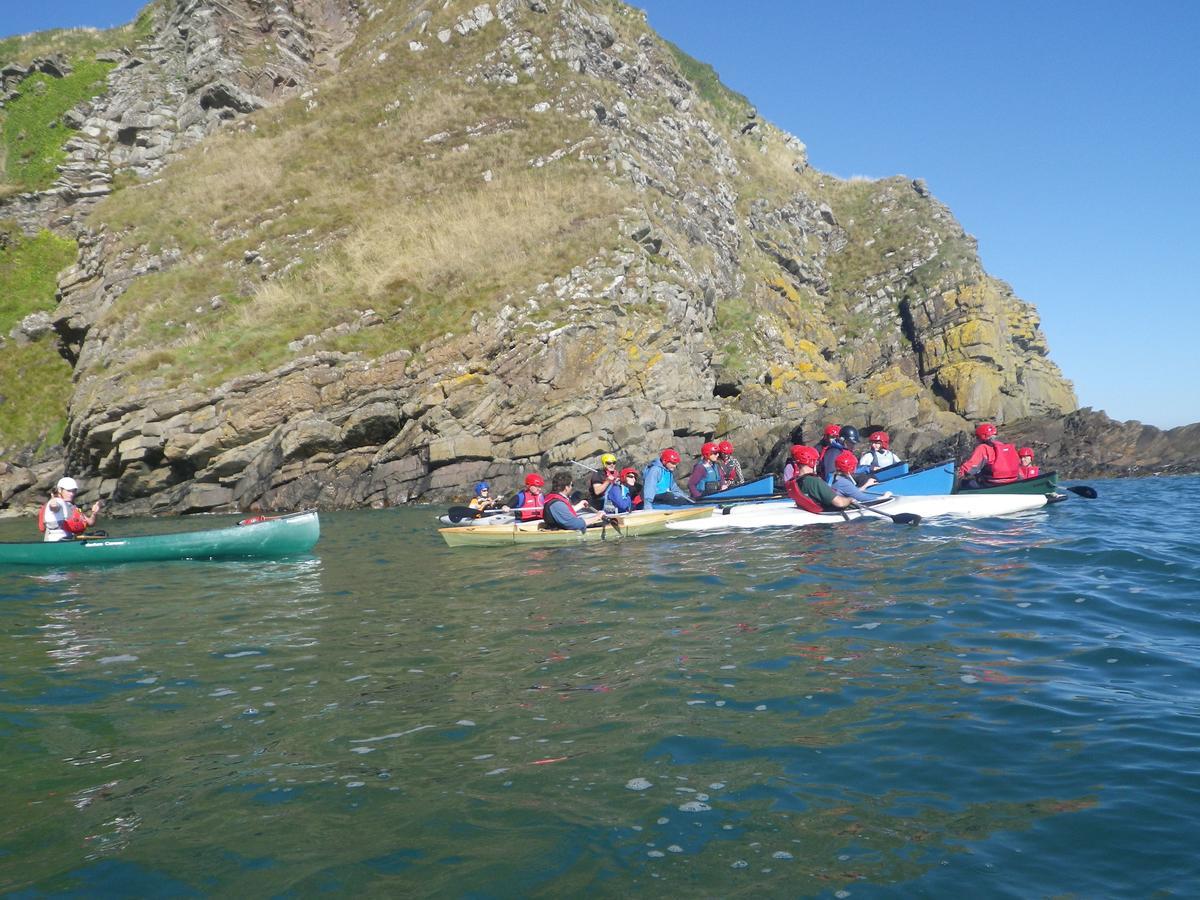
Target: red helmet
{"type": "Point", "coordinates": [882, 437]}
{"type": "Point", "coordinates": [832, 431]}
{"type": "Point", "coordinates": [805, 456]}
{"type": "Point", "coordinates": [846, 462]}
{"type": "Point", "coordinates": [709, 448]}
{"type": "Point", "coordinates": [725, 447]}
{"type": "Point", "coordinates": [670, 455]}
{"type": "Point", "coordinates": [533, 478]}
{"type": "Point", "coordinates": [626, 472]}
{"type": "Point", "coordinates": [1025, 451]}
{"type": "Point", "coordinates": [985, 430]}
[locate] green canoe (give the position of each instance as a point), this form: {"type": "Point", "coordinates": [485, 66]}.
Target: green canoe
{"type": "Point", "coordinates": [276, 536]}
{"type": "Point", "coordinates": [1042, 484]}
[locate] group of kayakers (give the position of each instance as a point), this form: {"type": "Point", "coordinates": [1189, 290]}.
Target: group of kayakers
{"type": "Point", "coordinates": [829, 476]}
{"type": "Point", "coordinates": [826, 477]}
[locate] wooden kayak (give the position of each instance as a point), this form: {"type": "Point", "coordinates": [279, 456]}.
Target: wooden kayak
{"type": "Point", "coordinates": [275, 536]}
{"type": "Point", "coordinates": [635, 524]}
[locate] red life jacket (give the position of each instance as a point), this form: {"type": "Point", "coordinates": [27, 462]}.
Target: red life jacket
{"type": "Point", "coordinates": [1027, 472]}
{"type": "Point", "coordinates": [555, 498]}
{"type": "Point", "coordinates": [802, 500]}
{"type": "Point", "coordinates": [530, 507]}
{"type": "Point", "coordinates": [75, 523]}
{"type": "Point", "coordinates": [1005, 465]}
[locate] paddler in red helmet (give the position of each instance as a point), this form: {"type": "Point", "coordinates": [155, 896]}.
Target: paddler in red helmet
{"type": "Point", "coordinates": [809, 492]}
{"type": "Point", "coordinates": [993, 462]}
{"type": "Point", "coordinates": [658, 482]}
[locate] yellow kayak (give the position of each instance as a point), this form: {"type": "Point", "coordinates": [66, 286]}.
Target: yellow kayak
{"type": "Point", "coordinates": [615, 528]}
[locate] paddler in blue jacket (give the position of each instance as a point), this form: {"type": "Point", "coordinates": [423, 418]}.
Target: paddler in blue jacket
{"type": "Point", "coordinates": [621, 496]}
{"type": "Point", "coordinates": [844, 483]}
{"type": "Point", "coordinates": [658, 482]}
{"type": "Point", "coordinates": [846, 439]}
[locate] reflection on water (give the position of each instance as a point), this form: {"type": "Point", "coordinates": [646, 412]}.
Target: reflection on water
{"type": "Point", "coordinates": [860, 708]}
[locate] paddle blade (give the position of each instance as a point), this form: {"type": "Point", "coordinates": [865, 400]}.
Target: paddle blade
{"type": "Point", "coordinates": [906, 519]}
{"type": "Point", "coordinates": [1084, 491]}
{"type": "Point", "coordinates": [458, 513]}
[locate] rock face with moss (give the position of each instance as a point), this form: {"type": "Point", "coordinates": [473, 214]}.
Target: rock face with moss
{"type": "Point", "coordinates": [362, 255]}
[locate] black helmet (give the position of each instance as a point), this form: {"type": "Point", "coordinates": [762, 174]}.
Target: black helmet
{"type": "Point", "coordinates": [849, 433]}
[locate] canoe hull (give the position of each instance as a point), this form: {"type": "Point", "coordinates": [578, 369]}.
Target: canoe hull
{"type": "Point", "coordinates": [1042, 484]}
{"type": "Point", "coordinates": [279, 536]}
{"type": "Point", "coordinates": [636, 524]}
{"type": "Point", "coordinates": [895, 470]}
{"type": "Point", "coordinates": [928, 482]}
{"type": "Point", "coordinates": [756, 489]}
{"type": "Point", "coordinates": [785, 514]}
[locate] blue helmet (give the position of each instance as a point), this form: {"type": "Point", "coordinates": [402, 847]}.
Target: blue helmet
{"type": "Point", "coordinates": [481, 487]}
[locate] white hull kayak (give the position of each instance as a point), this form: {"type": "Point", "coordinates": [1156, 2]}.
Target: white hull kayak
{"type": "Point", "coordinates": [785, 514]}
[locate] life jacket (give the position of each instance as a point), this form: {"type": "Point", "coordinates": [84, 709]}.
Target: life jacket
{"type": "Point", "coordinates": [712, 477]}
{"type": "Point", "coordinates": [529, 506]}
{"type": "Point", "coordinates": [68, 519]}
{"type": "Point", "coordinates": [551, 499]}
{"type": "Point", "coordinates": [1024, 472]}
{"type": "Point", "coordinates": [827, 472]}
{"type": "Point", "coordinates": [879, 458]}
{"type": "Point", "coordinates": [731, 471]}
{"type": "Point", "coordinates": [801, 499]}
{"type": "Point", "coordinates": [623, 500]}
{"type": "Point", "coordinates": [1004, 466]}
{"type": "Point", "coordinates": [657, 479]}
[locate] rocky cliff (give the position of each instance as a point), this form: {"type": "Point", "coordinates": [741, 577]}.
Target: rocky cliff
{"type": "Point", "coordinates": [344, 253]}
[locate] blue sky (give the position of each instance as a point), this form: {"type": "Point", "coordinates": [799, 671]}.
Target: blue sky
{"type": "Point", "coordinates": [1065, 136]}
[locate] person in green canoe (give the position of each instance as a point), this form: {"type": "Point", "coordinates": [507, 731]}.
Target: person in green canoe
{"type": "Point", "coordinates": [59, 518]}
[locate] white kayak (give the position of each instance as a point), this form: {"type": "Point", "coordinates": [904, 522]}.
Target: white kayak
{"type": "Point", "coordinates": [785, 514]}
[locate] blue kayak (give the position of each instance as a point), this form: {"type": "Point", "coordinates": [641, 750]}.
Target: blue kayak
{"type": "Point", "coordinates": [887, 473]}
{"type": "Point", "coordinates": [758, 489]}
{"type": "Point", "coordinates": [926, 483]}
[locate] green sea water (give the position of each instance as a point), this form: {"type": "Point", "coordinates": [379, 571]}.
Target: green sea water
{"type": "Point", "coordinates": [1005, 708]}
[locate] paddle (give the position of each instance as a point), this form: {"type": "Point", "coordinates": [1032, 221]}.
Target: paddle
{"type": "Point", "coordinates": [898, 518]}
{"type": "Point", "coordinates": [1084, 491]}
{"type": "Point", "coordinates": [457, 513]}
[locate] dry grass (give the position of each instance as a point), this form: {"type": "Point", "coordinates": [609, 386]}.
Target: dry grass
{"type": "Point", "coordinates": [499, 228]}
{"type": "Point", "coordinates": [347, 193]}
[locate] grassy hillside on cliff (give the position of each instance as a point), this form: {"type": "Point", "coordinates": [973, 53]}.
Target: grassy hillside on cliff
{"type": "Point", "coordinates": [35, 382]}
{"type": "Point", "coordinates": [411, 191]}
{"type": "Point", "coordinates": [406, 186]}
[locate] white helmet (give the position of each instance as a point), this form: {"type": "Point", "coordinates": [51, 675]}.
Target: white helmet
{"type": "Point", "coordinates": [67, 483]}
